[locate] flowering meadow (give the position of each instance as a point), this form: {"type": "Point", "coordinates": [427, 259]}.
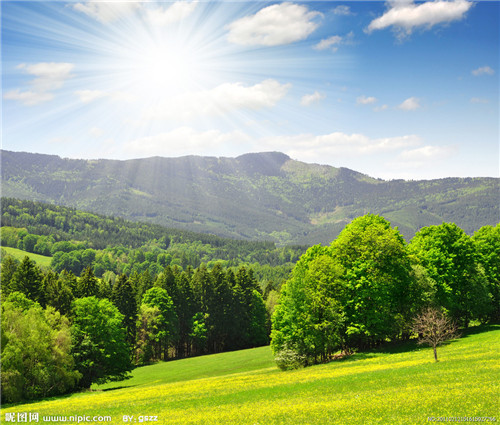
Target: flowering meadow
{"type": "Point", "coordinates": [397, 384]}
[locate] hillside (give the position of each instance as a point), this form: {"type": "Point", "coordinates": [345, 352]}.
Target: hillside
{"type": "Point", "coordinates": [263, 196]}
{"type": "Point", "coordinates": [399, 384]}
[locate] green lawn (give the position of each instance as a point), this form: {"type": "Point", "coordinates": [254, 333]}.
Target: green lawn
{"type": "Point", "coordinates": [398, 385]}
{"type": "Point", "coordinates": [41, 260]}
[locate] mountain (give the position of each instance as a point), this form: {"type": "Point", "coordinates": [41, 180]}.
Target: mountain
{"type": "Point", "coordinates": [258, 196]}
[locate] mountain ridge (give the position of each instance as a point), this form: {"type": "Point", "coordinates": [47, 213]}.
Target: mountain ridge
{"type": "Point", "coordinates": [255, 196]}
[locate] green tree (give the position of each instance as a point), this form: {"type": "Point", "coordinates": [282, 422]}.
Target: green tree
{"type": "Point", "coordinates": [487, 244]}
{"type": "Point", "coordinates": [449, 258]}
{"type": "Point", "coordinates": [307, 319]}
{"type": "Point", "coordinates": [35, 357]}
{"type": "Point", "coordinates": [377, 283]}
{"type": "Point", "coordinates": [124, 297]}
{"type": "Point", "coordinates": [147, 331]}
{"type": "Point", "coordinates": [7, 270]}
{"type": "Point", "coordinates": [87, 285]}
{"type": "Point", "coordinates": [167, 319]}
{"type": "Point", "coordinates": [99, 341]}
{"type": "Point", "coordinates": [27, 279]}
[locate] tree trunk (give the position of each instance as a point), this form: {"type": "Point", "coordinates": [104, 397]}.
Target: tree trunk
{"type": "Point", "coordinates": [435, 354]}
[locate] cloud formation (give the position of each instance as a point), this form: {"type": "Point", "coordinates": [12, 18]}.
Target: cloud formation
{"type": "Point", "coordinates": [484, 70]}
{"type": "Point", "coordinates": [222, 99]}
{"type": "Point", "coordinates": [363, 100]}
{"type": "Point", "coordinates": [410, 104]}
{"type": "Point", "coordinates": [174, 13]}
{"type": "Point", "coordinates": [405, 16]}
{"type": "Point", "coordinates": [309, 99]}
{"type": "Point", "coordinates": [274, 25]}
{"type": "Point", "coordinates": [327, 147]}
{"type": "Point", "coordinates": [49, 76]}
{"type": "Point", "coordinates": [342, 10]}
{"type": "Point", "coordinates": [106, 11]}
{"type": "Point", "coordinates": [184, 141]}
{"type": "Point", "coordinates": [334, 41]}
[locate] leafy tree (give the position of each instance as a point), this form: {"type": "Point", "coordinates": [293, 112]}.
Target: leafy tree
{"type": "Point", "coordinates": [377, 282]}
{"type": "Point", "coordinates": [306, 320]}
{"type": "Point", "coordinates": [29, 242]}
{"type": "Point", "coordinates": [99, 341]}
{"type": "Point", "coordinates": [449, 258]}
{"type": "Point", "coordinates": [147, 330]}
{"type": "Point", "coordinates": [487, 244]}
{"type": "Point", "coordinates": [198, 333]}
{"type": "Point", "coordinates": [35, 358]}
{"type": "Point", "coordinates": [165, 329]}
{"type": "Point", "coordinates": [434, 328]}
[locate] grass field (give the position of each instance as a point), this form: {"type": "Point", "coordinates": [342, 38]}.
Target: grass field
{"type": "Point", "coordinates": [41, 260]}
{"type": "Point", "coordinates": [398, 385]}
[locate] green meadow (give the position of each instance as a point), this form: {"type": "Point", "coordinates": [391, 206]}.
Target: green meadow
{"type": "Point", "coordinates": [398, 384]}
{"type": "Point", "coordinates": [40, 260]}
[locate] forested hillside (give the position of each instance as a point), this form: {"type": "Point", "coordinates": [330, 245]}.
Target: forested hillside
{"type": "Point", "coordinates": [77, 239]}
{"type": "Point", "coordinates": [265, 196]}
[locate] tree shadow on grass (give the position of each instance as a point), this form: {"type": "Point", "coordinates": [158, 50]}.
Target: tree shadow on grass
{"type": "Point", "coordinates": [396, 347]}
{"type": "Point", "coordinates": [117, 388]}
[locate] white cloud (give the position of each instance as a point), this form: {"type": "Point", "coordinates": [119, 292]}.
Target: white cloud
{"type": "Point", "coordinates": [479, 100]}
{"type": "Point", "coordinates": [484, 70]}
{"type": "Point", "coordinates": [426, 153]}
{"type": "Point", "coordinates": [106, 11]}
{"type": "Point", "coordinates": [222, 99]}
{"type": "Point", "coordinates": [410, 104]}
{"type": "Point", "coordinates": [308, 99]}
{"type": "Point", "coordinates": [328, 148]}
{"type": "Point", "coordinates": [329, 42]}
{"type": "Point", "coordinates": [28, 98]}
{"type": "Point", "coordinates": [274, 25]}
{"type": "Point", "coordinates": [405, 16]}
{"type": "Point", "coordinates": [96, 132]}
{"type": "Point", "coordinates": [381, 108]}
{"type": "Point", "coordinates": [87, 96]}
{"type": "Point", "coordinates": [334, 41]}
{"type": "Point", "coordinates": [185, 141]}
{"type": "Point", "coordinates": [174, 13]}
{"type": "Point", "coordinates": [363, 100]}
{"type": "Point", "coordinates": [49, 76]}
{"type": "Point", "coordinates": [343, 10]}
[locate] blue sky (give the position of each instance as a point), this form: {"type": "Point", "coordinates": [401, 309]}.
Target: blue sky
{"type": "Point", "coordinates": [395, 89]}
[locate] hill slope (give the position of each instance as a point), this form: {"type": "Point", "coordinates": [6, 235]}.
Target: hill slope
{"type": "Point", "coordinates": [403, 385]}
{"type": "Point", "coordinates": [254, 196]}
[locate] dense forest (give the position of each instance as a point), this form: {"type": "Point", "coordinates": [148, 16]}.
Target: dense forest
{"type": "Point", "coordinates": [101, 309]}
{"type": "Point", "coordinates": [112, 246]}
{"type": "Point", "coordinates": [261, 196]}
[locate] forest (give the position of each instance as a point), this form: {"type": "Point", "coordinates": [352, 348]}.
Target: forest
{"type": "Point", "coordinates": [96, 322]}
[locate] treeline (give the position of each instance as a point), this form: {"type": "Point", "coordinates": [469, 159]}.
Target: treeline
{"type": "Point", "coordinates": [48, 224]}
{"type": "Point", "coordinates": [111, 246]}
{"type": "Point", "coordinates": [61, 332]}
{"type": "Point", "coordinates": [369, 285]}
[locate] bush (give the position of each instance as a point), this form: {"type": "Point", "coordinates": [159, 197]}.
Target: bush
{"type": "Point", "coordinates": [288, 359]}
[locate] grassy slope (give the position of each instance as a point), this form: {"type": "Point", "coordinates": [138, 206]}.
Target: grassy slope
{"type": "Point", "coordinates": [401, 386]}
{"type": "Point", "coordinates": [41, 260]}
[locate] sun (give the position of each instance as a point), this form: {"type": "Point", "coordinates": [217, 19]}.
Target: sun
{"type": "Point", "coordinates": [166, 67]}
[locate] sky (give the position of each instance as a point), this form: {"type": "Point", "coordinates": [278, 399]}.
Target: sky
{"type": "Point", "coordinates": [395, 89]}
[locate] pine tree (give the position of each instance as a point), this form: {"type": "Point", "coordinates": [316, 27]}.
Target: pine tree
{"type": "Point", "coordinates": [87, 285]}
{"type": "Point", "coordinates": [123, 297]}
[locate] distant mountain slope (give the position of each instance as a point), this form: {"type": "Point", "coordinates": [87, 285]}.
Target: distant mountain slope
{"type": "Point", "coordinates": [254, 196]}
